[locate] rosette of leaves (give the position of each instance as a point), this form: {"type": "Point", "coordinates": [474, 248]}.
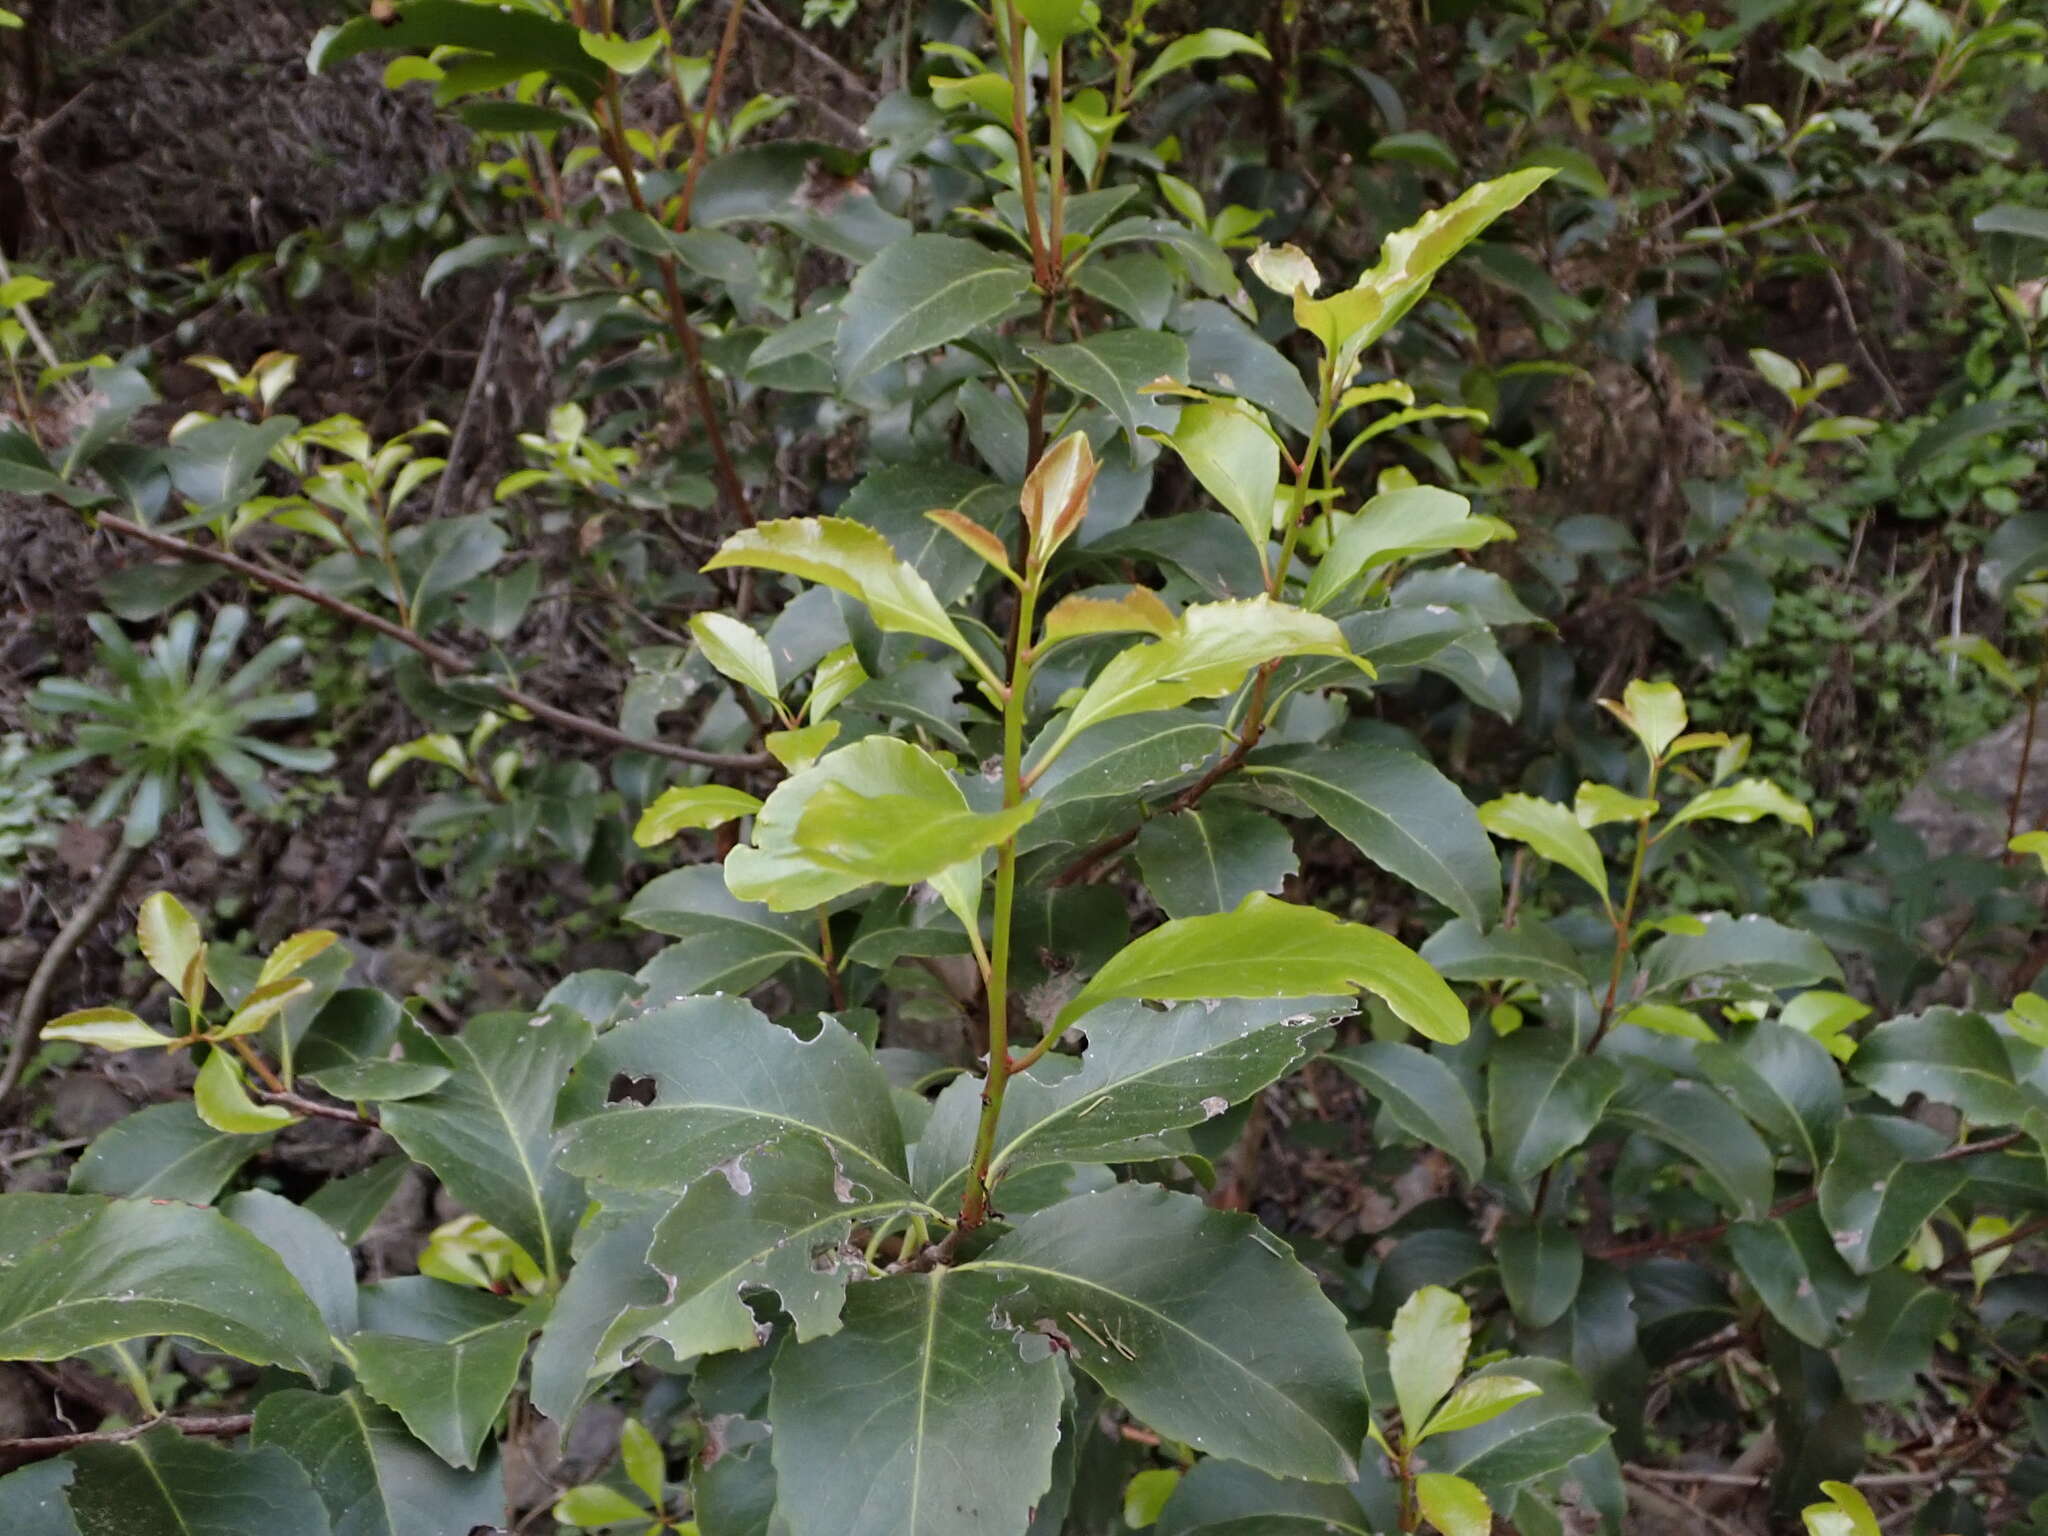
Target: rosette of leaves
{"type": "Point", "coordinates": [177, 720]}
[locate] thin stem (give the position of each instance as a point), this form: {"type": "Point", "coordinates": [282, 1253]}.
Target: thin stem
{"type": "Point", "coordinates": [258, 1065]}
{"type": "Point", "coordinates": [440, 655]}
{"type": "Point", "coordinates": [974, 1205]}
{"type": "Point", "coordinates": [1011, 44]}
{"type": "Point", "coordinates": [35, 999]}
{"type": "Point", "coordinates": [1624, 921]}
{"type": "Point", "coordinates": [2019, 780]}
{"type": "Point", "coordinates": [833, 979]}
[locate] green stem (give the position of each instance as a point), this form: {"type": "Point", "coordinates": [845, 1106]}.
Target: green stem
{"type": "Point", "coordinates": [1624, 921]}
{"type": "Point", "coordinates": [974, 1206]}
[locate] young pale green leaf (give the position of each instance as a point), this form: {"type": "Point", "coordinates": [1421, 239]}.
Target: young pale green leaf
{"type": "Point", "coordinates": [1288, 270]}
{"type": "Point", "coordinates": [1654, 712]}
{"type": "Point", "coordinates": [1426, 1351]}
{"type": "Point", "coordinates": [1744, 801]}
{"type": "Point", "coordinates": [295, 954]}
{"type": "Point", "coordinates": [1211, 649]}
{"type": "Point", "coordinates": [868, 799]}
{"type": "Point", "coordinates": [1421, 1095]}
{"type": "Point", "coordinates": [623, 55]}
{"type": "Point", "coordinates": [1552, 832]}
{"type": "Point", "coordinates": [1847, 1513]}
{"type": "Point", "coordinates": [1193, 48]}
{"type": "Point", "coordinates": [848, 557]}
{"type": "Point", "coordinates": [1235, 458]}
{"type": "Point", "coordinates": [690, 807]}
{"type": "Point", "coordinates": [1670, 1019]}
{"type": "Point", "coordinates": [1780, 372]}
{"type": "Point", "coordinates": [736, 650]}
{"type": "Point", "coordinates": [2035, 843]}
{"type": "Point", "coordinates": [1599, 805]}
{"type": "Point", "coordinates": [171, 943]}
{"type": "Point", "coordinates": [879, 1427]}
{"type": "Point", "coordinates": [1196, 1321]}
{"type": "Point", "coordinates": [488, 1131]}
{"type": "Point", "coordinates": [111, 1029]}
{"type": "Point", "coordinates": [645, 1462]}
{"type": "Point", "coordinates": [223, 1101]}
{"type": "Point", "coordinates": [135, 1268]}
{"type": "Point", "coordinates": [796, 750]}
{"type": "Point", "coordinates": [1398, 525]}
{"type": "Point", "coordinates": [1478, 1400]}
{"type": "Point", "coordinates": [1454, 1506]}
{"type": "Point", "coordinates": [1054, 20]}
{"type": "Point", "coordinates": [1349, 321]}
{"type": "Point", "coordinates": [921, 293]}
{"type": "Point", "coordinates": [593, 1505]}
{"type": "Point", "coordinates": [899, 839]}
{"type": "Point", "coordinates": [269, 999]}
{"type": "Point", "coordinates": [437, 747]}
{"type": "Point", "coordinates": [1138, 611]}
{"type": "Point", "coordinates": [1271, 948]}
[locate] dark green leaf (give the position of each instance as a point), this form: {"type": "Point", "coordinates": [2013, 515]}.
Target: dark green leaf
{"type": "Point", "coordinates": [922, 293]}
{"type": "Point", "coordinates": [164, 1152]}
{"type": "Point", "coordinates": [1796, 1273]}
{"type": "Point", "coordinates": [1703, 1127]}
{"type": "Point", "coordinates": [727, 945]}
{"type": "Point", "coordinates": [1749, 950]}
{"type": "Point", "coordinates": [1880, 1187]}
{"type": "Point", "coordinates": [1113, 368]}
{"type": "Point", "coordinates": [1893, 1341]}
{"type": "Point", "coordinates": [1783, 1080]}
{"type": "Point", "coordinates": [373, 1477]}
{"type": "Point", "coordinates": [1543, 1099]}
{"type": "Point", "coordinates": [1950, 1056]}
{"type": "Point", "coordinates": [443, 1357]}
{"type": "Point", "coordinates": [1540, 1266]}
{"type": "Point", "coordinates": [1421, 1095]}
{"type": "Point", "coordinates": [1209, 858]}
{"type": "Point", "coordinates": [167, 1484]}
{"type": "Point", "coordinates": [309, 1249]}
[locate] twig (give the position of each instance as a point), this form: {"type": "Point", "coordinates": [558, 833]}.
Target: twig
{"type": "Point", "coordinates": [15, 1453]}
{"type": "Point", "coordinates": [35, 999]}
{"type": "Point", "coordinates": [480, 382]}
{"type": "Point", "coordinates": [761, 16]}
{"type": "Point", "coordinates": [439, 655]}
{"type": "Point", "coordinates": [300, 1105]}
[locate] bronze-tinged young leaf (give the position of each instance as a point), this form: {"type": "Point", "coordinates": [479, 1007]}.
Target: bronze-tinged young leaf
{"type": "Point", "coordinates": [172, 944]}
{"type": "Point", "coordinates": [1271, 948]}
{"type": "Point", "coordinates": [1055, 496]}
{"type": "Point", "coordinates": [111, 1029]}
{"type": "Point", "coordinates": [985, 545]}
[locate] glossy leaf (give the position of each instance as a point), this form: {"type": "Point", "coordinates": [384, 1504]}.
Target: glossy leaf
{"type": "Point", "coordinates": [690, 807]}
{"type": "Point", "coordinates": [1454, 1506]}
{"type": "Point", "coordinates": [1419, 1094]}
{"type": "Point", "coordinates": [223, 1101]}
{"type": "Point", "coordinates": [166, 1481]}
{"type": "Point", "coordinates": [1877, 1193]}
{"type": "Point", "coordinates": [443, 1358]}
{"type": "Point", "coordinates": [1744, 801]}
{"type": "Point", "coordinates": [110, 1029]}
{"type": "Point", "coordinates": [1551, 832]}
{"type": "Point", "coordinates": [1705, 1129]}
{"type": "Point", "coordinates": [726, 945]}
{"type": "Point", "coordinates": [134, 1268]}
{"type": "Point", "coordinates": [1398, 525]}
{"type": "Point", "coordinates": [1426, 1351]}
{"type": "Point", "coordinates": [1236, 460]}
{"type": "Point", "coordinates": [1210, 857]}
{"type": "Point", "coordinates": [1113, 368]}
{"type": "Point", "coordinates": [736, 651]}
{"type": "Point", "coordinates": [919, 294]}
{"type": "Point", "coordinates": [1543, 1099]}
{"type": "Point", "coordinates": [1269, 948]}
{"type": "Point", "coordinates": [1952, 1057]}
{"type": "Point", "coordinates": [1541, 1263]}
{"type": "Point", "coordinates": [173, 946]}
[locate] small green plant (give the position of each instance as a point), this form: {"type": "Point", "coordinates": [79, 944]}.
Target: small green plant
{"type": "Point", "coordinates": [31, 809]}
{"type": "Point", "coordinates": [177, 717]}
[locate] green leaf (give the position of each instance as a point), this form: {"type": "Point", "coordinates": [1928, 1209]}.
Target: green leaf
{"type": "Point", "coordinates": [1350, 321]}
{"type": "Point", "coordinates": [1454, 1506]}
{"type": "Point", "coordinates": [1055, 19]}
{"type": "Point", "coordinates": [1542, 1099]}
{"type": "Point", "coordinates": [173, 946]}
{"type": "Point", "coordinates": [347, 1050]}
{"type": "Point", "coordinates": [736, 651]}
{"type": "Point", "coordinates": [1892, 1343]}
{"type": "Point", "coordinates": [311, 1252]}
{"type": "Point", "coordinates": [1143, 1074]}
{"type": "Point", "coordinates": [1781, 373]}
{"type": "Point", "coordinates": [2012, 219]}
{"type": "Point", "coordinates": [645, 1462]}
{"type": "Point", "coordinates": [899, 839]}
{"type": "Point", "coordinates": [727, 945]}
{"type": "Point", "coordinates": [1529, 952]}
{"type": "Point", "coordinates": [1552, 832]}
{"type": "Point", "coordinates": [1100, 784]}
{"type": "Point", "coordinates": [726, 1080]}
{"type": "Point", "coordinates": [1146, 1494]}
{"type": "Point", "coordinates": [1532, 1440]}
{"type": "Point", "coordinates": [1210, 857]}
{"type": "Point", "coordinates": [1744, 801]}
{"type": "Point", "coordinates": [1796, 1273]}
{"type": "Point", "coordinates": [1269, 948]}
{"type": "Point", "coordinates": [1398, 811]}
{"type": "Point", "coordinates": [1541, 1264]}
{"type": "Point", "coordinates": [167, 1482]}
{"type": "Point", "coordinates": [443, 1358]}
{"type": "Point", "coordinates": [1879, 1189]}
{"type": "Point", "coordinates": [111, 1029]}
{"type": "Point", "coordinates": [593, 1504]}
{"type": "Point", "coordinates": [1704, 1128]}
{"type": "Point", "coordinates": [1113, 368]}
{"type": "Point", "coordinates": [517, 41]}
{"type": "Point", "coordinates": [1479, 1400]}
{"type": "Point", "coordinates": [1398, 525]}
{"type": "Point", "coordinates": [135, 1268]}
{"type": "Point", "coordinates": [1196, 1321]}
{"type": "Point", "coordinates": [1421, 1095]}
{"type": "Point", "coordinates": [841, 554]}
{"type": "Point", "coordinates": [776, 1219]}
{"type": "Point", "coordinates": [1193, 48]}
{"type": "Point", "coordinates": [34, 1497]}
{"type": "Point", "coordinates": [919, 294]}
{"type": "Point", "coordinates": [164, 1152]}
{"type": "Point", "coordinates": [1748, 950]}
{"type": "Point", "coordinates": [1847, 1513]}
{"type": "Point", "coordinates": [1952, 1057]}
{"type": "Point", "coordinates": [1785, 1081]}
{"type": "Point", "coordinates": [1426, 1351]}
{"type": "Point", "coordinates": [690, 807]}
{"type": "Point", "coordinates": [867, 801]}
{"type": "Point", "coordinates": [223, 1101]}
{"type": "Point", "coordinates": [885, 1428]}
{"type": "Point", "coordinates": [1207, 656]}
{"type": "Point", "coordinates": [488, 1132]}
{"type": "Point", "coordinates": [619, 54]}
{"type": "Point", "coordinates": [1236, 460]}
